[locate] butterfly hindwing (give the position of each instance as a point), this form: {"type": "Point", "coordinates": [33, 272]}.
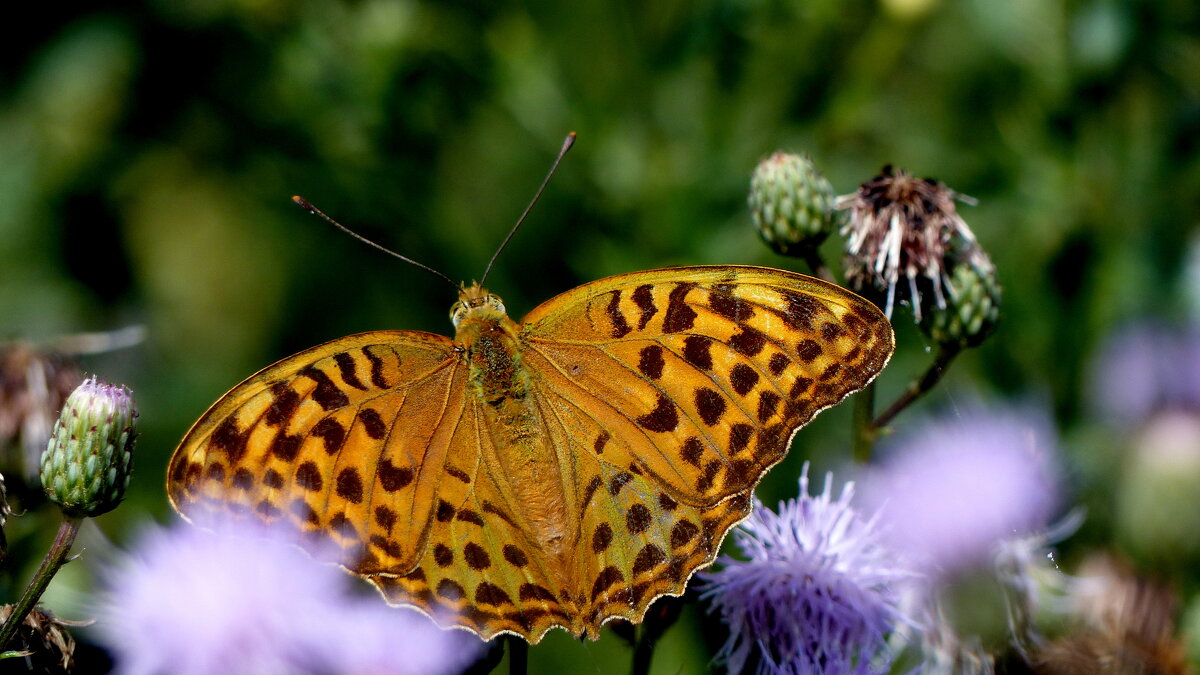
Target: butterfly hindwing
{"type": "Point", "coordinates": [481, 570]}
{"type": "Point", "coordinates": [633, 540]}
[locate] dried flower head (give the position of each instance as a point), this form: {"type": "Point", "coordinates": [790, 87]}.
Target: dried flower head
{"type": "Point", "coordinates": [34, 383]}
{"type": "Point", "coordinates": [43, 640]}
{"type": "Point", "coordinates": [1123, 624]}
{"type": "Point", "coordinates": [817, 591]}
{"type": "Point", "coordinates": [902, 227]}
{"type": "Point", "coordinates": [244, 599]}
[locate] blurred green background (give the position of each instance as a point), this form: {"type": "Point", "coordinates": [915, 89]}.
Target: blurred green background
{"type": "Point", "coordinates": [148, 151]}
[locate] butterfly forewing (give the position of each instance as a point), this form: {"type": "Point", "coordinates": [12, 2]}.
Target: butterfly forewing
{"type": "Point", "coordinates": [704, 373]}
{"type": "Point", "coordinates": [346, 440]}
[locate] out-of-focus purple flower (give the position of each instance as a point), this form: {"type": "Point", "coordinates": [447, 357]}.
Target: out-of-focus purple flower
{"type": "Point", "coordinates": [192, 601]}
{"type": "Point", "coordinates": [951, 489]}
{"type": "Point", "coordinates": [1144, 368]}
{"type": "Point", "coordinates": [817, 592]}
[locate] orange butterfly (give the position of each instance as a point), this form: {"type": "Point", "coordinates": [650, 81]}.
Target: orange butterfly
{"type": "Point", "coordinates": [562, 471]}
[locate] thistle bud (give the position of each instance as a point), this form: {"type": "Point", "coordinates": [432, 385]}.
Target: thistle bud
{"type": "Point", "coordinates": [87, 465]}
{"type": "Point", "coordinates": [792, 203]}
{"type": "Point", "coordinates": [970, 309]}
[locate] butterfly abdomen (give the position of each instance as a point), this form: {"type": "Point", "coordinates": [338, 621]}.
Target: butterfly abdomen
{"type": "Point", "coordinates": [529, 469]}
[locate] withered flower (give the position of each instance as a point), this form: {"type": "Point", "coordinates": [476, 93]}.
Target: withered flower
{"type": "Point", "coordinates": [43, 641]}
{"type": "Point", "coordinates": [35, 380]}
{"type": "Point", "coordinates": [1123, 624]}
{"type": "Point", "coordinates": [904, 239]}
{"type": "Point", "coordinates": [33, 385]}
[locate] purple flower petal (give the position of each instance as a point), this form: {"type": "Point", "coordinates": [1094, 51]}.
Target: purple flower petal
{"type": "Point", "coordinates": [952, 489]}
{"type": "Point", "coordinates": [1144, 368]}
{"type": "Point", "coordinates": [816, 593]}
{"type": "Point", "coordinates": [192, 601]}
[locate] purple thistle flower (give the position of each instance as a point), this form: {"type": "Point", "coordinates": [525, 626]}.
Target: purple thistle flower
{"type": "Point", "coordinates": [817, 592]}
{"type": "Point", "coordinates": [951, 490]}
{"type": "Point", "coordinates": [192, 601]}
{"type": "Point", "coordinates": [1144, 368]}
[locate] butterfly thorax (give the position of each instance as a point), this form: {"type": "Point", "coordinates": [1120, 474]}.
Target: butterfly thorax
{"type": "Point", "coordinates": [528, 466]}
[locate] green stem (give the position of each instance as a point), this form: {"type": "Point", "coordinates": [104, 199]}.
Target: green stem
{"type": "Point", "coordinates": [864, 436]}
{"type": "Point", "coordinates": [518, 655]}
{"type": "Point", "coordinates": [817, 264]}
{"type": "Point", "coordinates": [54, 559]}
{"type": "Point", "coordinates": [920, 387]}
{"type": "Point", "coordinates": [643, 652]}
{"type": "Point", "coordinates": [662, 615]}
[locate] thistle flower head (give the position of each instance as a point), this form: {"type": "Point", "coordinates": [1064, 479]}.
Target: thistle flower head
{"type": "Point", "coordinates": [951, 490]}
{"type": "Point", "coordinates": [791, 203]}
{"type": "Point", "coordinates": [1146, 368]}
{"type": "Point", "coordinates": [243, 599]}
{"type": "Point", "coordinates": [88, 462]}
{"type": "Point", "coordinates": [900, 233]}
{"type": "Point", "coordinates": [817, 591]}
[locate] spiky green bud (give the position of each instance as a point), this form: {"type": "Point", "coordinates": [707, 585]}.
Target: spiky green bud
{"type": "Point", "coordinates": [972, 306]}
{"type": "Point", "coordinates": [86, 466]}
{"type": "Point", "coordinates": [792, 203]}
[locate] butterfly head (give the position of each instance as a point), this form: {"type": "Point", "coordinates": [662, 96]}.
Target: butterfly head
{"type": "Point", "coordinates": [476, 302]}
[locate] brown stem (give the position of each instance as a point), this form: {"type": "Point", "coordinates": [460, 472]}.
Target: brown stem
{"type": "Point", "coordinates": [54, 559]}
{"type": "Point", "coordinates": [941, 362]}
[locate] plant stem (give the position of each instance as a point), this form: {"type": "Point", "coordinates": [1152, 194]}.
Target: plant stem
{"type": "Point", "coordinates": [817, 264]}
{"type": "Point", "coordinates": [518, 655]}
{"type": "Point", "coordinates": [643, 651]}
{"type": "Point", "coordinates": [662, 615]}
{"type": "Point", "coordinates": [864, 436]}
{"type": "Point", "coordinates": [941, 362]}
{"type": "Point", "coordinates": [54, 559]}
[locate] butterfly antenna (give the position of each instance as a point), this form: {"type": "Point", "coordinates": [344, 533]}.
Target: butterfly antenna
{"type": "Point", "coordinates": [567, 143]}
{"type": "Point", "coordinates": [314, 210]}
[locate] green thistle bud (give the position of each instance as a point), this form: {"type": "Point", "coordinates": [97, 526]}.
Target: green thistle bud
{"type": "Point", "coordinates": [971, 300]}
{"type": "Point", "coordinates": [87, 464]}
{"type": "Point", "coordinates": [792, 203]}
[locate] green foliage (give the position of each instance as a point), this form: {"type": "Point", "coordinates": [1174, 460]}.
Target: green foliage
{"type": "Point", "coordinates": [148, 151]}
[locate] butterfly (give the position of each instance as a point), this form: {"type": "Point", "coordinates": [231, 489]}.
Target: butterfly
{"type": "Point", "coordinates": [561, 471]}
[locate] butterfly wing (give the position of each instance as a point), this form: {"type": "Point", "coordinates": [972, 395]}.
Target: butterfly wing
{"type": "Point", "coordinates": [678, 388]}
{"type": "Point", "coordinates": [482, 570]}
{"type": "Point", "coordinates": [666, 394]}
{"type": "Point", "coordinates": [347, 441]}
{"type": "Point", "coordinates": [370, 446]}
